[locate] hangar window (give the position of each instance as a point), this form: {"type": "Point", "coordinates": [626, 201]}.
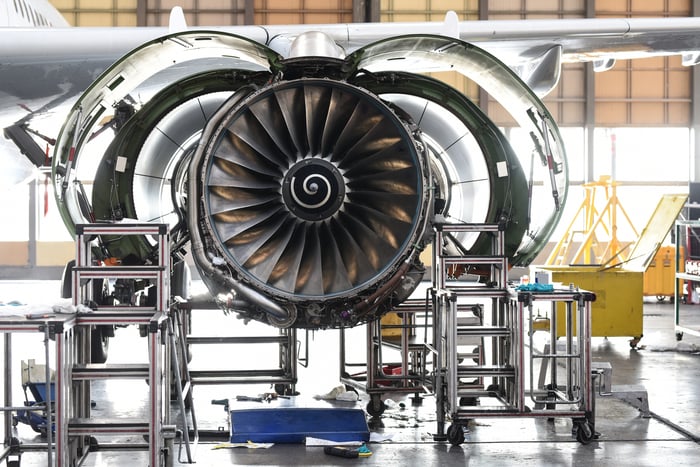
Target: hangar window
{"type": "Point", "coordinates": [643, 155]}
{"type": "Point", "coordinates": [14, 201]}
{"type": "Point", "coordinates": [50, 226]}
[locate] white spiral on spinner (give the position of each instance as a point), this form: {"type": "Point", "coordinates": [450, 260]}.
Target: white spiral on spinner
{"type": "Point", "coordinates": [310, 187]}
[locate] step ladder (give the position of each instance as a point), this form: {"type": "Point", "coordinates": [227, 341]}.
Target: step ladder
{"type": "Point", "coordinates": [474, 332]}
{"type": "Point", "coordinates": [75, 427]}
{"type": "Point", "coordinates": [494, 383]}
{"type": "Point", "coordinates": [177, 360]}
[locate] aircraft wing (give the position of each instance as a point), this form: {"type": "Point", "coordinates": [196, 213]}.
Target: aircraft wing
{"type": "Point", "coordinates": [512, 41]}
{"type": "Point", "coordinates": [585, 40]}
{"type": "Point", "coordinates": [50, 63]}
{"type": "Point", "coordinates": [42, 71]}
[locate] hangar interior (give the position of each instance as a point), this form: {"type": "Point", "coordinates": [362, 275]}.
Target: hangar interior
{"type": "Point", "coordinates": [628, 129]}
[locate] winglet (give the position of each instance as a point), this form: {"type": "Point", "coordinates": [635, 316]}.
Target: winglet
{"type": "Point", "coordinates": [690, 58]}
{"type": "Point", "coordinates": [603, 64]}
{"type": "Point", "coordinates": [177, 20]}
{"type": "Point", "coordinates": [451, 25]}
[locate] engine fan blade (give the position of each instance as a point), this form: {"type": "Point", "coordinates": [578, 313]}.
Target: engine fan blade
{"type": "Point", "coordinates": [329, 188]}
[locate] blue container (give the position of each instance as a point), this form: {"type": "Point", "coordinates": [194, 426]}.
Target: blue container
{"type": "Point", "coordinates": [295, 424]}
{"type": "Point", "coordinates": [37, 419]}
{"type": "Point", "coordinates": [38, 390]}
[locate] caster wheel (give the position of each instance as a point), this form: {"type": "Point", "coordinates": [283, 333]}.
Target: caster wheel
{"type": "Point", "coordinates": [679, 336]}
{"type": "Point", "coordinates": [375, 407]}
{"type": "Point", "coordinates": [584, 433]}
{"type": "Point", "coordinates": [634, 342]}
{"type": "Point", "coordinates": [455, 434]}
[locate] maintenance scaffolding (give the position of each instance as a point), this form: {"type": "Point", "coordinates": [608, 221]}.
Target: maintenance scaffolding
{"type": "Point", "coordinates": [490, 380]}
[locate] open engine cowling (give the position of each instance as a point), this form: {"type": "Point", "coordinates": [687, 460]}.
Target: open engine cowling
{"type": "Point", "coordinates": [306, 186]}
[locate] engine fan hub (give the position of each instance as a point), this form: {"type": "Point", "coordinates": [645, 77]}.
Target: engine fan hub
{"type": "Point", "coordinates": [313, 189]}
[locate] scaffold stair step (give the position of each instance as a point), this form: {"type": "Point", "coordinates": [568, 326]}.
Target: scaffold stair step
{"type": "Point", "coordinates": [472, 371]}
{"type": "Point", "coordinates": [92, 371]}
{"type": "Point", "coordinates": [107, 426]}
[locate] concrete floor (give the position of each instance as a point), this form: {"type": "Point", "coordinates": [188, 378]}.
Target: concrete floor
{"type": "Point", "coordinates": [668, 370]}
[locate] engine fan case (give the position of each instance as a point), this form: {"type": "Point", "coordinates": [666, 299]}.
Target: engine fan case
{"type": "Point", "coordinates": [316, 193]}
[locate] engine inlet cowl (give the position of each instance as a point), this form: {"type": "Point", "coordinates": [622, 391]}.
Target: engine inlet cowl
{"type": "Point", "coordinates": [314, 193]}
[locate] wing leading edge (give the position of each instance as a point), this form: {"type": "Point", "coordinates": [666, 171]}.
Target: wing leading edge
{"type": "Point", "coordinates": [512, 41]}
{"type": "Point", "coordinates": [44, 70]}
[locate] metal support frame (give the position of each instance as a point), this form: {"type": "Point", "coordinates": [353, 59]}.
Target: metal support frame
{"type": "Point", "coordinates": [590, 249]}
{"type": "Point", "coordinates": [456, 381]}
{"type": "Point", "coordinates": [283, 376]}
{"type": "Point", "coordinates": [74, 426]}
{"type": "Point", "coordinates": [503, 357]}
{"type": "Point", "coordinates": [74, 370]}
{"type": "Point", "coordinates": [177, 361]}
{"type": "Point", "coordinates": [11, 445]}
{"type": "Point", "coordinates": [376, 376]}
{"type": "Point", "coordinates": [683, 230]}
{"type": "Point", "coordinates": [577, 388]}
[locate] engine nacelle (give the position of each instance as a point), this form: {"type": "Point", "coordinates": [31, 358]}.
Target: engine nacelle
{"type": "Point", "coordinates": [307, 187]}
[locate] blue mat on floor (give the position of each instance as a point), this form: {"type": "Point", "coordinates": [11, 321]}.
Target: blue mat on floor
{"type": "Point", "coordinates": [294, 424]}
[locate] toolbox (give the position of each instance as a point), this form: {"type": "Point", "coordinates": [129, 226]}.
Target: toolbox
{"type": "Point", "coordinates": [295, 424]}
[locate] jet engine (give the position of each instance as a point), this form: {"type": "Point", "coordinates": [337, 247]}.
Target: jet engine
{"type": "Point", "coordinates": [306, 183]}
